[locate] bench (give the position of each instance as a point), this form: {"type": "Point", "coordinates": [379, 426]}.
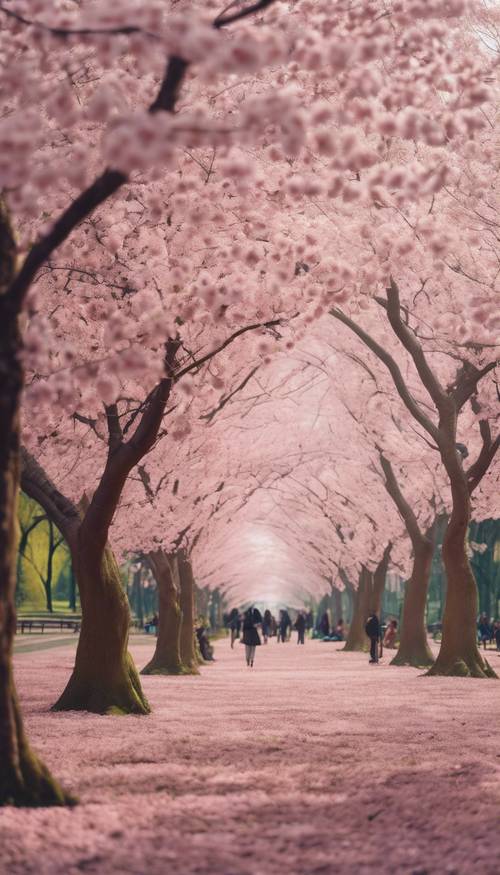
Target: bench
{"type": "Point", "coordinates": [31, 623]}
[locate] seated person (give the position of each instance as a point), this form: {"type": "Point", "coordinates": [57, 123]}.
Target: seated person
{"type": "Point", "coordinates": [151, 624]}
{"type": "Point", "coordinates": [206, 648]}
{"type": "Point", "coordinates": [390, 634]}
{"type": "Point", "coordinates": [338, 634]}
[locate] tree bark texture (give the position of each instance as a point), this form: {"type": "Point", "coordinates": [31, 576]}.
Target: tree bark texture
{"type": "Point", "coordinates": [167, 655]}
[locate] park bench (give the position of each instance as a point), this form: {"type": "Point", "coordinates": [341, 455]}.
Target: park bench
{"type": "Point", "coordinates": [42, 623]}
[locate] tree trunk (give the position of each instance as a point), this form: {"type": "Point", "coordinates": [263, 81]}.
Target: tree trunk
{"type": "Point", "coordinates": [189, 657]}
{"type": "Point", "coordinates": [413, 647]}
{"type": "Point", "coordinates": [167, 656]}
{"type": "Point", "coordinates": [138, 601]}
{"type": "Point", "coordinates": [459, 653]}
{"type": "Point", "coordinates": [72, 589]}
{"type": "Point", "coordinates": [356, 638]}
{"type": "Point", "coordinates": [202, 602]}
{"type": "Point", "coordinates": [104, 678]}
{"type": "Point", "coordinates": [50, 565]}
{"type": "Point", "coordinates": [378, 585]}
{"type": "Point", "coordinates": [336, 605]}
{"type": "Point", "coordinates": [24, 779]}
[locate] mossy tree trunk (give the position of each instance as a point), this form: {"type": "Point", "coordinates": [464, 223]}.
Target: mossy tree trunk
{"type": "Point", "coordinates": [24, 779]}
{"type": "Point", "coordinates": [459, 653]}
{"type": "Point", "coordinates": [167, 656]}
{"type": "Point", "coordinates": [104, 678]}
{"type": "Point", "coordinates": [189, 657]}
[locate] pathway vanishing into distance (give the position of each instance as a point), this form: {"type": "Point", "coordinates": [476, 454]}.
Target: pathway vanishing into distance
{"type": "Point", "coordinates": [312, 762]}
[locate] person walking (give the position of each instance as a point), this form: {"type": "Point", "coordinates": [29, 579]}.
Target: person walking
{"type": "Point", "coordinates": [251, 638]}
{"type": "Point", "coordinates": [372, 629]}
{"type": "Point", "coordinates": [284, 623]}
{"type": "Point", "coordinates": [266, 625]}
{"type": "Point", "coordinates": [234, 625]}
{"type": "Point", "coordinates": [309, 622]}
{"type": "Point", "coordinates": [484, 630]}
{"type": "Point", "coordinates": [300, 625]}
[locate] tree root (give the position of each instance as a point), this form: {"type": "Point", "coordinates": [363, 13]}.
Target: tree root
{"type": "Point", "coordinates": [470, 668]}
{"type": "Point", "coordinates": [159, 669]}
{"type": "Point", "coordinates": [101, 696]}
{"type": "Point", "coordinates": [417, 660]}
{"type": "Point", "coordinates": [24, 780]}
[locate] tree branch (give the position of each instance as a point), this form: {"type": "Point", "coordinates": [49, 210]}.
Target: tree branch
{"type": "Point", "coordinates": [197, 364]}
{"type": "Point", "coordinates": [478, 469]}
{"type": "Point", "coordinates": [393, 489]}
{"type": "Point", "coordinates": [404, 393]}
{"type": "Point", "coordinates": [110, 181]}
{"type": "Point", "coordinates": [227, 398]}
{"type": "Point", "coordinates": [36, 483]}
{"type": "Point", "coordinates": [115, 436]}
{"type": "Point", "coordinates": [466, 382]}
{"type": "Point", "coordinates": [412, 345]}
{"type": "Point", "coordinates": [64, 32]}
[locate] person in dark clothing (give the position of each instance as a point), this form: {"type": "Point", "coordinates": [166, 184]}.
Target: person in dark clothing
{"type": "Point", "coordinates": [300, 625]}
{"type": "Point", "coordinates": [251, 638]}
{"type": "Point", "coordinates": [338, 634]}
{"type": "Point", "coordinates": [372, 629]}
{"type": "Point", "coordinates": [234, 625]}
{"type": "Point", "coordinates": [324, 625]}
{"type": "Point", "coordinates": [484, 630]}
{"type": "Point", "coordinates": [266, 625]}
{"type": "Point", "coordinates": [206, 648]}
{"type": "Point", "coordinates": [285, 624]}
{"type": "Point", "coordinates": [496, 634]}
{"type": "Point", "coordinates": [309, 621]}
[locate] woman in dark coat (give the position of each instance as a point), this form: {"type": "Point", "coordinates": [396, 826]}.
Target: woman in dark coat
{"type": "Point", "coordinates": [251, 638]}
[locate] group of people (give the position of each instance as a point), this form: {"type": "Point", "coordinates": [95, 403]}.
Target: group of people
{"type": "Point", "coordinates": [335, 632]}
{"type": "Point", "coordinates": [488, 631]}
{"type": "Point", "coordinates": [245, 627]}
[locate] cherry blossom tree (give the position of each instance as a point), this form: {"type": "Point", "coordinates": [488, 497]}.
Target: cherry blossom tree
{"type": "Point", "coordinates": [58, 132]}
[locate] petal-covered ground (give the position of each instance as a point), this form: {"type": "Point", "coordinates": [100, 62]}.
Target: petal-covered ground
{"type": "Point", "coordinates": [312, 762]}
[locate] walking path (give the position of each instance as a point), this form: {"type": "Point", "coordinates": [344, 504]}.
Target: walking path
{"type": "Point", "coordinates": [311, 762]}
